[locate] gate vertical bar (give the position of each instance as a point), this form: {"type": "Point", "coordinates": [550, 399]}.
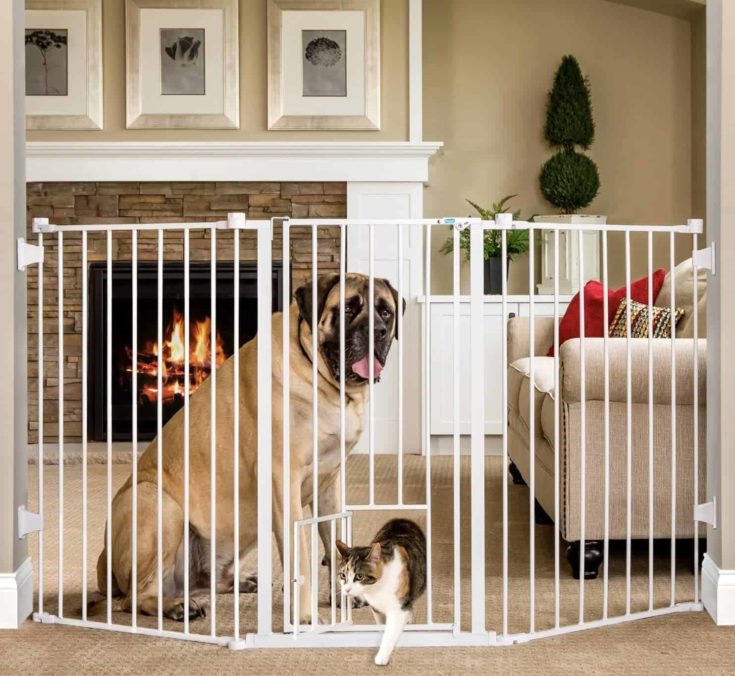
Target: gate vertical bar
{"type": "Point", "coordinates": [456, 534]}
{"type": "Point", "coordinates": [265, 482]}
{"type": "Point", "coordinates": [606, 397]}
{"type": "Point", "coordinates": [477, 437]}
{"type": "Point", "coordinates": [213, 430]}
{"type": "Point", "coordinates": [695, 400]}
{"type": "Point", "coordinates": [582, 429]}
{"type": "Point", "coordinates": [41, 539]}
{"type": "Point", "coordinates": [187, 322]}
{"type": "Point", "coordinates": [109, 427]}
{"type": "Point", "coordinates": [672, 309]}
{"type": "Point", "coordinates": [344, 602]}
{"type": "Point", "coordinates": [134, 445]}
{"type": "Point", "coordinates": [504, 367]}
{"type": "Point", "coordinates": [371, 363]}
{"type": "Point", "coordinates": [628, 428]}
{"type": "Point", "coordinates": [557, 391]}
{"type": "Point", "coordinates": [159, 433]}
{"type": "Point", "coordinates": [401, 340]}
{"type": "Point", "coordinates": [314, 427]}
{"type": "Point", "coordinates": [427, 419]}
{"type": "Point", "coordinates": [84, 424]}
{"type": "Point", "coordinates": [286, 396]}
{"type": "Point", "coordinates": [236, 436]}
{"type": "Point", "coordinates": [60, 310]}
{"type": "Point", "coordinates": [650, 419]}
{"type": "Point", "coordinates": [531, 439]}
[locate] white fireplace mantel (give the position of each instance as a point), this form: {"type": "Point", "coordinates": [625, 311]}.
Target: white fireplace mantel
{"type": "Point", "coordinates": [399, 161]}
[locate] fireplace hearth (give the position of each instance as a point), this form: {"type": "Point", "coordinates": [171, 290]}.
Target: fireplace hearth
{"type": "Point", "coordinates": [173, 356]}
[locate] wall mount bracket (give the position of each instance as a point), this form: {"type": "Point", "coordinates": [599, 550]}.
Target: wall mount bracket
{"type": "Point", "coordinates": [707, 512]}
{"type": "Point", "coordinates": [705, 258]}
{"type": "Point", "coordinates": [28, 522]}
{"type": "Point", "coordinates": [28, 254]}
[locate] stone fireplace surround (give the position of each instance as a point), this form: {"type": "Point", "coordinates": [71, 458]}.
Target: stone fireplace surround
{"type": "Point", "coordinates": [147, 202]}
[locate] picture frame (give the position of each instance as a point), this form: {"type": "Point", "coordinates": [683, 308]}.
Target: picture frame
{"type": "Point", "coordinates": [324, 64]}
{"type": "Point", "coordinates": [182, 64]}
{"type": "Point", "coordinates": [63, 45]}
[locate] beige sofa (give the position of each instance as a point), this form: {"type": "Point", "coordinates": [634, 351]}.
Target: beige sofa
{"type": "Point", "coordinates": [570, 414]}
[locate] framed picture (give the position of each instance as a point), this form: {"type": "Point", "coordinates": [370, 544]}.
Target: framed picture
{"type": "Point", "coordinates": [63, 52]}
{"type": "Point", "coordinates": [182, 64]}
{"type": "Point", "coordinates": [324, 64]}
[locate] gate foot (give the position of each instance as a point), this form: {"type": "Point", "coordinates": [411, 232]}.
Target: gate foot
{"type": "Point", "coordinates": [236, 644]}
{"type": "Point", "coordinates": [592, 558]}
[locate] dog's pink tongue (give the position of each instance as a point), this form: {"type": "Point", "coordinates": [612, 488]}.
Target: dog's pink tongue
{"type": "Point", "coordinates": [362, 368]}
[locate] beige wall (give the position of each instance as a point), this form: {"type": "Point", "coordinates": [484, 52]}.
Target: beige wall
{"type": "Point", "coordinates": [488, 65]}
{"type": "Point", "coordinates": [12, 286]}
{"type": "Point", "coordinates": [253, 84]}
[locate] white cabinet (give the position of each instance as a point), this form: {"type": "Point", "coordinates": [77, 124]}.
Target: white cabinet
{"type": "Point", "coordinates": [441, 358]}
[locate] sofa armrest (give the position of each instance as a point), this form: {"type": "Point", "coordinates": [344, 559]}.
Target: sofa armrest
{"type": "Point", "coordinates": [518, 338]}
{"type": "Point", "coordinates": [595, 368]}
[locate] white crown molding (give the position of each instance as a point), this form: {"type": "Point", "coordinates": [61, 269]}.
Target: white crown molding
{"type": "Point", "coordinates": [224, 161]}
{"type": "Point", "coordinates": [718, 592]}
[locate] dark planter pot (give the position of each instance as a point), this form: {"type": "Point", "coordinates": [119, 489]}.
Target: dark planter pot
{"type": "Point", "coordinates": [494, 275]}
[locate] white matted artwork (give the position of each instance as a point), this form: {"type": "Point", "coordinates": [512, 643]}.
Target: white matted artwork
{"type": "Point", "coordinates": [63, 53]}
{"type": "Point", "coordinates": [182, 64]}
{"type": "Point", "coordinates": [324, 64]}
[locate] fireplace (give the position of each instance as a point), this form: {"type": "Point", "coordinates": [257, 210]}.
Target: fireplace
{"type": "Point", "coordinates": [200, 352]}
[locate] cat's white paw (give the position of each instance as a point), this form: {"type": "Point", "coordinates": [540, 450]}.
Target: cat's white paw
{"type": "Point", "coordinates": [381, 660]}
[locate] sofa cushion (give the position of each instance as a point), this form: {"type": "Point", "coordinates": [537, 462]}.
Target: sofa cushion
{"type": "Point", "coordinates": [682, 278]}
{"type": "Point", "coordinates": [543, 382]}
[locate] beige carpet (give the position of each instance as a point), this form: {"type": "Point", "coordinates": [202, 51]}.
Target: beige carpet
{"type": "Point", "coordinates": [679, 644]}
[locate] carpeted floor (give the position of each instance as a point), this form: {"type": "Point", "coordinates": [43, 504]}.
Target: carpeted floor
{"type": "Point", "coordinates": [683, 643]}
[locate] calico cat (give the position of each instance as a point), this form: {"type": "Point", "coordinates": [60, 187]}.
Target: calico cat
{"type": "Point", "coordinates": [389, 575]}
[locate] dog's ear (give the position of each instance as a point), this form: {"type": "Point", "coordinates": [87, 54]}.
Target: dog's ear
{"type": "Point", "coordinates": [324, 284]}
{"type": "Point", "coordinates": [343, 549]}
{"type": "Point", "coordinates": [396, 301]}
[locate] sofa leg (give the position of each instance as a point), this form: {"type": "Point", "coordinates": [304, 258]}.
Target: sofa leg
{"type": "Point", "coordinates": [540, 516]}
{"type": "Point", "coordinates": [592, 558]}
{"type": "Point", "coordinates": [516, 475]}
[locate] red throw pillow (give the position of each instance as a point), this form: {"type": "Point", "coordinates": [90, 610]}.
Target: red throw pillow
{"type": "Point", "coordinates": [594, 319]}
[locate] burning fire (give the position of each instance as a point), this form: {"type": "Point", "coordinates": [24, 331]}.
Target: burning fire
{"type": "Point", "coordinates": [173, 359]}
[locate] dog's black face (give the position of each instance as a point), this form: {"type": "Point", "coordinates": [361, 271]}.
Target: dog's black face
{"type": "Point", "coordinates": [357, 357]}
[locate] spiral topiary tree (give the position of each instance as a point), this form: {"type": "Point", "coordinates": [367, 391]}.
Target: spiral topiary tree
{"type": "Point", "coordinates": [569, 180]}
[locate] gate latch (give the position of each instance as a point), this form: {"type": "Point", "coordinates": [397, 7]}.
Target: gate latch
{"type": "Point", "coordinates": [707, 512]}
{"type": "Point", "coordinates": [28, 254]}
{"type": "Point", "coordinates": [705, 258]}
{"type": "Point", "coordinates": [28, 522]}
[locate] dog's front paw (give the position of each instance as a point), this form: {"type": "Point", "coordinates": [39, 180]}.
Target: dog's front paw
{"type": "Point", "coordinates": [381, 660]}
{"type": "Point", "coordinates": [178, 611]}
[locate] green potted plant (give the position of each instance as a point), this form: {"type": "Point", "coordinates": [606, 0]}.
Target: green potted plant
{"type": "Point", "coordinates": [569, 180]}
{"type": "Point", "coordinates": [516, 242]}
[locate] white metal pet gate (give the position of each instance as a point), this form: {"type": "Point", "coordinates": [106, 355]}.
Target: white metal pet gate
{"type": "Point", "coordinates": [489, 599]}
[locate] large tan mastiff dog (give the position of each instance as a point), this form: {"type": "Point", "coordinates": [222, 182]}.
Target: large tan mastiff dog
{"type": "Point", "coordinates": [300, 488]}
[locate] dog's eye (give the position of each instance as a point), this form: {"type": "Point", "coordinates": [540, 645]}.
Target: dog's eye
{"type": "Point", "coordinates": [385, 314]}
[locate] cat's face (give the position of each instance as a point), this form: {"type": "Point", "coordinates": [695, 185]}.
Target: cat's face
{"type": "Point", "coordinates": [359, 568]}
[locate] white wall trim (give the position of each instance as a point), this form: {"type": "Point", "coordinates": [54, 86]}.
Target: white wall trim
{"type": "Point", "coordinates": [415, 72]}
{"type": "Point", "coordinates": [224, 161]}
{"type": "Point", "coordinates": [16, 596]}
{"type": "Point", "coordinates": [718, 592]}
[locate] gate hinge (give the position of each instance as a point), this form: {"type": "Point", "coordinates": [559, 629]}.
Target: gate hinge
{"type": "Point", "coordinates": [705, 258]}
{"type": "Point", "coordinates": [707, 512]}
{"type": "Point", "coordinates": [28, 522]}
{"type": "Point", "coordinates": [28, 254]}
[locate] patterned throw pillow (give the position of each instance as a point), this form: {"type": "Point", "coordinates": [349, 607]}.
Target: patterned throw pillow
{"type": "Point", "coordinates": [639, 320]}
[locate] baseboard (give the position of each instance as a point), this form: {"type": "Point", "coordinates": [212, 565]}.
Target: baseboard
{"type": "Point", "coordinates": [16, 596]}
{"type": "Point", "coordinates": [718, 592]}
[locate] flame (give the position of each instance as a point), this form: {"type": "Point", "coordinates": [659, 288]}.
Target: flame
{"type": "Point", "coordinates": [173, 359]}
